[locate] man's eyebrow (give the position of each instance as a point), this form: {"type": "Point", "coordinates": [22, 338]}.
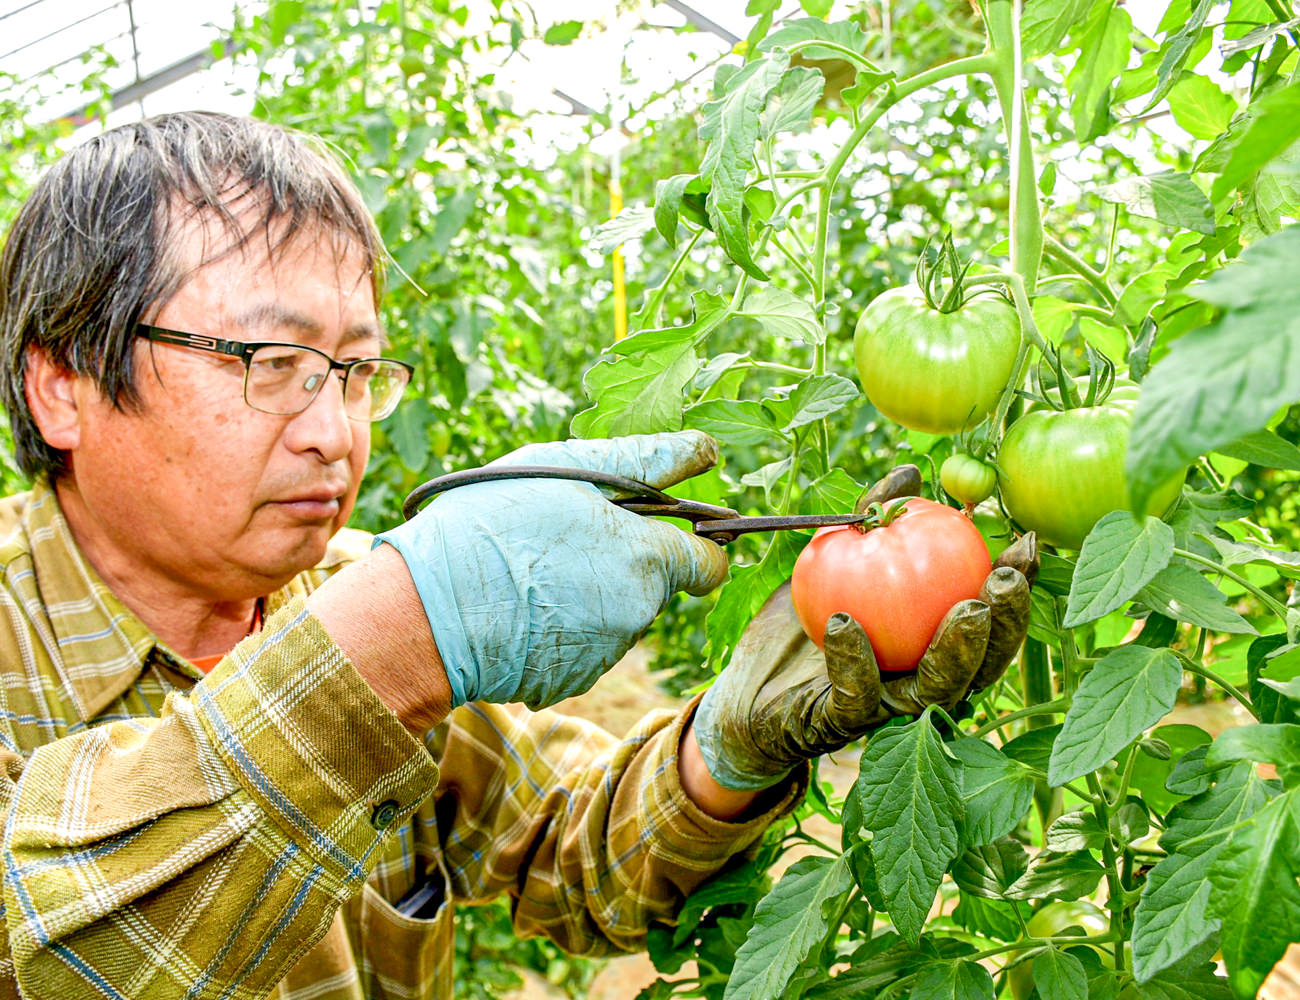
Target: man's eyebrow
{"type": "Point", "coordinates": [276, 315]}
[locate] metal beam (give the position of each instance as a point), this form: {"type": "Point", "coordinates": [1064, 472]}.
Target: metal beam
{"type": "Point", "coordinates": [702, 22]}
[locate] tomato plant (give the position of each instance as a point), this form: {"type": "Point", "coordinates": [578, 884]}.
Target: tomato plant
{"type": "Point", "coordinates": [932, 365]}
{"type": "Point", "coordinates": [1061, 471]}
{"type": "Point", "coordinates": [897, 580]}
{"type": "Point", "coordinates": [1061, 918]}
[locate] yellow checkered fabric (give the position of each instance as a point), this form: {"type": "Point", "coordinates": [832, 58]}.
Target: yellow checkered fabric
{"type": "Point", "coordinates": [246, 833]}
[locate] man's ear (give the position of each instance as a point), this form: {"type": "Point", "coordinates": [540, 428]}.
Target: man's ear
{"type": "Point", "coordinates": [54, 399]}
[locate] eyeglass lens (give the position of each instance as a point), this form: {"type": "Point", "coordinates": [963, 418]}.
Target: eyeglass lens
{"type": "Point", "coordinates": [283, 379]}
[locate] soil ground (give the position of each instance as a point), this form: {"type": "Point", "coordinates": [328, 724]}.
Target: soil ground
{"type": "Point", "coordinates": [629, 691]}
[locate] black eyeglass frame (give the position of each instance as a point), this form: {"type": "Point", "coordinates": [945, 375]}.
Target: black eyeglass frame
{"type": "Point", "coordinates": [244, 351]}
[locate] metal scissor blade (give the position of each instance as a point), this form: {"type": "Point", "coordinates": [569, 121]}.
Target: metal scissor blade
{"type": "Point", "coordinates": [724, 530]}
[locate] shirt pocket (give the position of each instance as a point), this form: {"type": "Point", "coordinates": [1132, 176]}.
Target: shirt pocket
{"type": "Point", "coordinates": [401, 957]}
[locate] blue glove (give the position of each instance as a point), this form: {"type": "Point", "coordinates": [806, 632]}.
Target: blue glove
{"type": "Point", "coordinates": [534, 588]}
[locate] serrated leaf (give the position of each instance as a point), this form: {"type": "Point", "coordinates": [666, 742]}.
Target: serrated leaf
{"type": "Point", "coordinates": [1169, 197]}
{"type": "Point", "coordinates": [997, 791]}
{"type": "Point", "coordinates": [912, 806]}
{"type": "Point", "coordinates": [1196, 513]}
{"type": "Point", "coordinates": [799, 33]}
{"type": "Point", "coordinates": [630, 224]}
{"type": "Point", "coordinates": [818, 397]}
{"type": "Point", "coordinates": [1198, 984]}
{"type": "Point", "coordinates": [1058, 876]}
{"type": "Point", "coordinates": [1200, 107]}
{"type": "Point", "coordinates": [1175, 50]}
{"type": "Point", "coordinates": [834, 493]}
{"type": "Point", "coordinates": [1274, 681]}
{"type": "Point", "coordinates": [1243, 553]}
{"type": "Point", "coordinates": [711, 311]}
{"type": "Point", "coordinates": [1180, 592]}
{"type": "Point", "coordinates": [790, 106]}
{"type": "Point", "coordinates": [1044, 24]}
{"type": "Point", "coordinates": [1105, 50]}
{"type": "Point", "coordinates": [993, 918]}
{"type": "Point", "coordinates": [1225, 380]}
{"type": "Point", "coordinates": [1060, 976]}
{"type": "Point", "coordinates": [637, 395]}
{"type": "Point", "coordinates": [790, 924]}
{"type": "Point", "coordinates": [1033, 748]}
{"type": "Point", "coordinates": [959, 980]}
{"type": "Point", "coordinates": [1173, 915]}
{"type": "Point", "coordinates": [1238, 793]}
{"type": "Point", "coordinates": [1150, 775]}
{"type": "Point", "coordinates": [1263, 448]}
{"type": "Point", "coordinates": [784, 315]}
{"type": "Point", "coordinates": [740, 422]}
{"type": "Point", "coordinates": [1119, 557]}
{"type": "Point", "coordinates": [989, 870]}
{"type": "Point", "coordinates": [731, 126]}
{"type": "Point", "coordinates": [1256, 895]}
{"type": "Point", "coordinates": [668, 205]}
{"type": "Point", "coordinates": [1277, 744]}
{"type": "Point", "coordinates": [1128, 691]}
{"type": "Point", "coordinates": [1075, 831]}
{"type": "Point", "coordinates": [1274, 126]}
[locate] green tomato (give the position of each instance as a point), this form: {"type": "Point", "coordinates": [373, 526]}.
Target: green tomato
{"type": "Point", "coordinates": [1060, 472]}
{"type": "Point", "coordinates": [966, 479]}
{"type": "Point", "coordinates": [935, 372]}
{"type": "Point", "coordinates": [1053, 920]}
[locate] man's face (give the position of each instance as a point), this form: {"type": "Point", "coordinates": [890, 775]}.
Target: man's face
{"type": "Point", "coordinates": [196, 486]}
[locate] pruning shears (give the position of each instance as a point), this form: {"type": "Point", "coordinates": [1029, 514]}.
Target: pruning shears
{"type": "Point", "coordinates": [718, 524]}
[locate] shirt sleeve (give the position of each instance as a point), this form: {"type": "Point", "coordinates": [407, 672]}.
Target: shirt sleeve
{"type": "Point", "coordinates": [592, 836]}
{"type": "Point", "coordinates": [202, 852]}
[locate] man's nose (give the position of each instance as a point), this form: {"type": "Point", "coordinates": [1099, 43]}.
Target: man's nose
{"type": "Point", "coordinates": [324, 426]}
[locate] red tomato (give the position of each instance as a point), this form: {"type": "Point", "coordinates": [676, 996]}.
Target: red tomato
{"type": "Point", "coordinates": [898, 581]}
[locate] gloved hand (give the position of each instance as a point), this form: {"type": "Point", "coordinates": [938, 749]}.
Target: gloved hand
{"type": "Point", "coordinates": [781, 700]}
{"type": "Point", "coordinates": [535, 587]}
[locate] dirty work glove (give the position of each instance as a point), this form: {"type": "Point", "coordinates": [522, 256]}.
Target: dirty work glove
{"type": "Point", "coordinates": [535, 587]}
{"type": "Point", "coordinates": [782, 700]}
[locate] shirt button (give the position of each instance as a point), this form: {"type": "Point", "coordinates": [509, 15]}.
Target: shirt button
{"type": "Point", "coordinates": [383, 815]}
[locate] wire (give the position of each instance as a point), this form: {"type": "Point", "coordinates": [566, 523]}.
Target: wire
{"type": "Point", "coordinates": [28, 6]}
{"type": "Point", "coordinates": [59, 31]}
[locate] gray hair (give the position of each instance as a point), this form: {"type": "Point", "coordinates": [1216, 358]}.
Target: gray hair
{"type": "Point", "coordinates": [93, 250]}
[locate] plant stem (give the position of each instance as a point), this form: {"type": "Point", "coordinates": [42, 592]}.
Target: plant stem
{"type": "Point", "coordinates": [1046, 708]}
{"type": "Point", "coordinates": [775, 366]}
{"type": "Point", "coordinates": [794, 262]}
{"type": "Point", "coordinates": [1196, 668]}
{"type": "Point", "coordinates": [1115, 902]}
{"type": "Point", "coordinates": [1268, 601]}
{"type": "Point", "coordinates": [1058, 251]}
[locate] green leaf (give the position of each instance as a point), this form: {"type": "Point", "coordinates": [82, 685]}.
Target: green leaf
{"type": "Point", "coordinates": [563, 33]}
{"type": "Point", "coordinates": [993, 918]}
{"type": "Point", "coordinates": [630, 224]}
{"type": "Point", "coordinates": [1058, 876]}
{"type": "Point", "coordinates": [1171, 198]}
{"type": "Point", "coordinates": [1237, 794]}
{"type": "Point", "coordinates": [1129, 690]}
{"type": "Point", "coordinates": [816, 8]}
{"type": "Point", "coordinates": [818, 397]}
{"type": "Point", "coordinates": [834, 493]}
{"type": "Point", "coordinates": [790, 925]}
{"type": "Point", "coordinates": [1200, 107]}
{"type": "Point", "coordinates": [1196, 513]}
{"type": "Point", "coordinates": [1277, 744]}
{"type": "Point", "coordinates": [668, 205]}
{"type": "Point", "coordinates": [1119, 557]}
{"type": "Point", "coordinates": [711, 311]}
{"type": "Point", "coordinates": [637, 395]}
{"type": "Point", "coordinates": [1075, 831]}
{"type": "Point", "coordinates": [1173, 915]}
{"type": "Point", "coordinates": [790, 107]}
{"type": "Point", "coordinates": [1225, 380]}
{"type": "Point", "coordinates": [1045, 23]}
{"type": "Point", "coordinates": [997, 791]}
{"type": "Point", "coordinates": [912, 806]}
{"type": "Point", "coordinates": [842, 34]}
{"type": "Point", "coordinates": [1180, 592]}
{"type": "Point", "coordinates": [1256, 895]}
{"type": "Point", "coordinates": [742, 884]}
{"type": "Point", "coordinates": [1263, 448]}
{"type": "Point", "coordinates": [746, 591]}
{"type": "Point", "coordinates": [989, 870]}
{"type": "Point", "coordinates": [1033, 748]}
{"type": "Point", "coordinates": [1274, 126]}
{"type": "Point", "coordinates": [1105, 50]}
{"type": "Point", "coordinates": [1235, 553]}
{"type": "Point", "coordinates": [409, 432]}
{"type": "Point", "coordinates": [453, 214]}
{"type": "Point", "coordinates": [1059, 976]}
{"type": "Point", "coordinates": [784, 315]}
{"type": "Point", "coordinates": [960, 980]}
{"type": "Point", "coordinates": [1150, 774]}
{"type": "Point", "coordinates": [1176, 49]}
{"type": "Point", "coordinates": [1274, 679]}
{"type": "Point", "coordinates": [740, 422]}
{"type": "Point", "coordinates": [731, 127]}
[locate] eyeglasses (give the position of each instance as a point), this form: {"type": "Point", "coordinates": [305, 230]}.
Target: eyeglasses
{"type": "Point", "coordinates": [284, 378]}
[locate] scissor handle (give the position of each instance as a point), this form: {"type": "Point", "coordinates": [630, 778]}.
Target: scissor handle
{"type": "Point", "coordinates": [638, 492]}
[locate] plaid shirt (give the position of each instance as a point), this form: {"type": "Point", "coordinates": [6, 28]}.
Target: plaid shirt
{"type": "Point", "coordinates": [168, 834]}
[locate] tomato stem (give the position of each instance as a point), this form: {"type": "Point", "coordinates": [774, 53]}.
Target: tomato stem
{"type": "Point", "coordinates": [1193, 667]}
{"type": "Point", "coordinates": [1046, 708]}
{"type": "Point", "coordinates": [1057, 250]}
{"type": "Point", "coordinates": [1273, 605]}
{"type": "Point", "coordinates": [1115, 895]}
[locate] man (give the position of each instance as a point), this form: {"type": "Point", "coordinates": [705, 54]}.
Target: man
{"type": "Point", "coordinates": [245, 754]}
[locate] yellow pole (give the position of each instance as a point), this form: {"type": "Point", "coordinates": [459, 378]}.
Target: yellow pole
{"type": "Point", "coordinates": [620, 285]}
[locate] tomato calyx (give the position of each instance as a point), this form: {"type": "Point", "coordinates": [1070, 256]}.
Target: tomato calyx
{"type": "Point", "coordinates": [930, 277]}
{"type": "Point", "coordinates": [878, 515]}
{"type": "Point", "coordinates": [1055, 388]}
